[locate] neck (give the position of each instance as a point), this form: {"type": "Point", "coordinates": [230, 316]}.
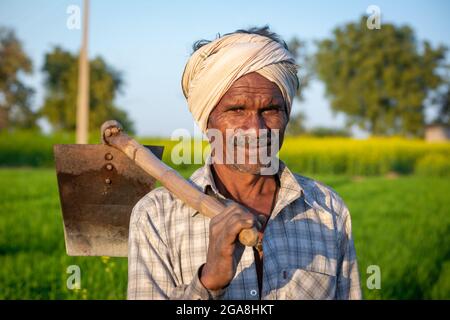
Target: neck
{"type": "Point", "coordinates": [242, 187]}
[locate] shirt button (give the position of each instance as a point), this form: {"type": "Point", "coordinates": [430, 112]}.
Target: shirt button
{"type": "Point", "coordinates": [253, 293]}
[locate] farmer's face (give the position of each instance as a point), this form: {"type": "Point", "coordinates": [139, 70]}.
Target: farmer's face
{"type": "Point", "coordinates": [252, 107]}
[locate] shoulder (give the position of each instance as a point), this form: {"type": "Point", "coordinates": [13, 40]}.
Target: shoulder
{"type": "Point", "coordinates": [157, 205]}
{"type": "Point", "coordinates": [325, 200]}
{"type": "Point", "coordinates": [160, 206]}
{"type": "Point", "coordinates": [157, 216]}
{"type": "Point", "coordinates": [317, 193]}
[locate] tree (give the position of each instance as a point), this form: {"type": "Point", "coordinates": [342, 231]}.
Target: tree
{"type": "Point", "coordinates": [379, 78]}
{"type": "Point", "coordinates": [15, 96]}
{"type": "Point", "coordinates": [442, 101]}
{"type": "Point", "coordinates": [61, 70]}
{"type": "Point", "coordinates": [444, 110]}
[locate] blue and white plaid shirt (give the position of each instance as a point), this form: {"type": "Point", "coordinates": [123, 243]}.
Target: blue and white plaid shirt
{"type": "Point", "coordinates": [308, 246]}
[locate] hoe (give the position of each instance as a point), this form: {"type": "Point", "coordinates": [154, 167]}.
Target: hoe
{"type": "Point", "coordinates": [99, 185]}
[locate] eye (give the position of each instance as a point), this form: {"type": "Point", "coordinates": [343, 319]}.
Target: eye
{"type": "Point", "coordinates": [235, 109]}
{"type": "Point", "coordinates": [271, 109]}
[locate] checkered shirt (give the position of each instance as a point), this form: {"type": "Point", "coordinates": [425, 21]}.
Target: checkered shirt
{"type": "Point", "coordinates": [308, 246]}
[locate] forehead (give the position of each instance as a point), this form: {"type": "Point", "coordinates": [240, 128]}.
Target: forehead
{"type": "Point", "coordinates": [253, 84]}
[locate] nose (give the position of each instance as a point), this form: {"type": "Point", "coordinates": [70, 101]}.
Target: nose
{"type": "Point", "coordinates": [256, 122]}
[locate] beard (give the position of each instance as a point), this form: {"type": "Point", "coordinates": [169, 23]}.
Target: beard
{"type": "Point", "coordinates": [255, 169]}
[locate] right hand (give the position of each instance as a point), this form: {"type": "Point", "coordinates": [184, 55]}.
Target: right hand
{"type": "Point", "coordinates": [219, 269]}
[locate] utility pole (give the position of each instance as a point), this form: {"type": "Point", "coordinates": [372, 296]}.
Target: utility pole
{"type": "Point", "coordinates": [83, 82]}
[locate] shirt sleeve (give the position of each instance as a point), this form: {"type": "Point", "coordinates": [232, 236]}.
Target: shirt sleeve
{"type": "Point", "coordinates": [150, 272]}
{"type": "Point", "coordinates": [348, 281]}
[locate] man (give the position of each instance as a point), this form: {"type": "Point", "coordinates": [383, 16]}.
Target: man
{"type": "Point", "coordinates": [243, 81]}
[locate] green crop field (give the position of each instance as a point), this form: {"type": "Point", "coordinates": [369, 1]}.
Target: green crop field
{"type": "Point", "coordinates": [400, 223]}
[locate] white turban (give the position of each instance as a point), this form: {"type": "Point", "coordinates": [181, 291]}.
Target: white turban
{"type": "Point", "coordinates": [212, 70]}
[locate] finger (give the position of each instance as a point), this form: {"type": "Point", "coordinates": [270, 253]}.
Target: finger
{"type": "Point", "coordinates": [229, 211]}
{"type": "Point", "coordinates": [234, 228]}
{"type": "Point", "coordinates": [221, 224]}
{"type": "Point", "coordinates": [239, 216]}
{"type": "Point", "coordinates": [226, 212]}
{"type": "Point", "coordinates": [234, 217]}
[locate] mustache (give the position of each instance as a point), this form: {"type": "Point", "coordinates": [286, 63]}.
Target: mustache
{"type": "Point", "coordinates": [252, 139]}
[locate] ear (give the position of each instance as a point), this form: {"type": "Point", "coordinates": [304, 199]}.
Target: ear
{"type": "Point", "coordinates": [210, 123]}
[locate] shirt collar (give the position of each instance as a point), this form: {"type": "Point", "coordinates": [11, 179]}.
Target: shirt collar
{"type": "Point", "coordinates": [204, 178]}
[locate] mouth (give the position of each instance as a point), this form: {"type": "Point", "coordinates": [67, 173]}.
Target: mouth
{"type": "Point", "coordinates": [257, 153]}
{"type": "Point", "coordinates": [251, 142]}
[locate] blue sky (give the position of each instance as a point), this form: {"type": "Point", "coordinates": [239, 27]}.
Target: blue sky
{"type": "Point", "coordinates": [150, 41]}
